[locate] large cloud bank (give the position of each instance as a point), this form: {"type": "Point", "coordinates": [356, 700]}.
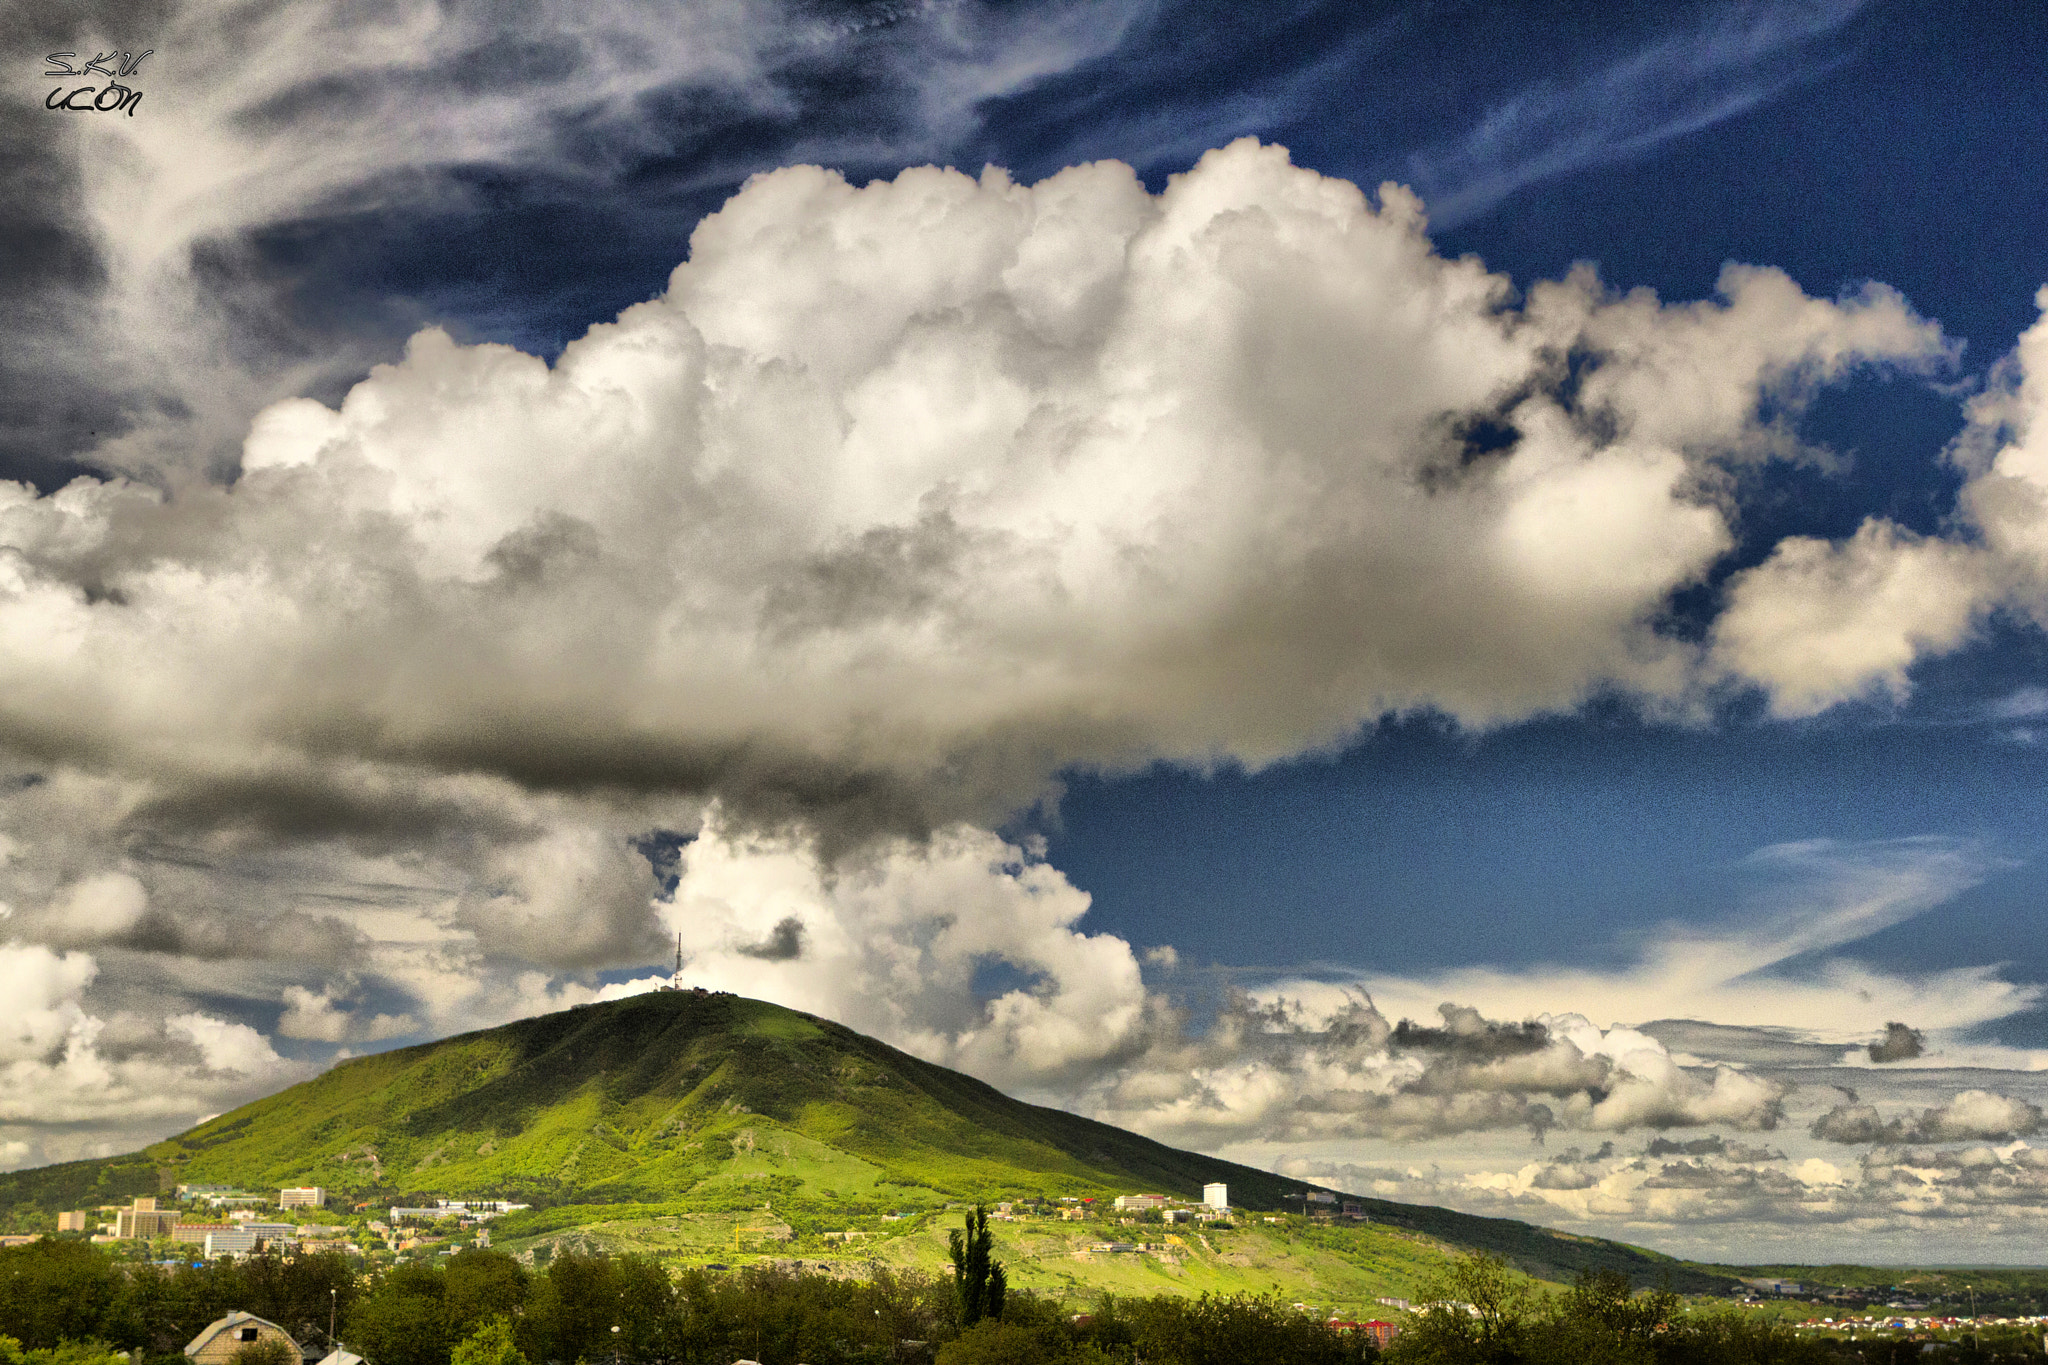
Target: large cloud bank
{"type": "Point", "coordinates": [793, 581]}
{"type": "Point", "coordinates": [1735, 1201]}
{"type": "Point", "coordinates": [902, 498]}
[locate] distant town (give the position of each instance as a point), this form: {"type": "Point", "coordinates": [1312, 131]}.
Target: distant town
{"type": "Point", "coordinates": [226, 1221]}
{"type": "Point", "coordinates": [222, 1220]}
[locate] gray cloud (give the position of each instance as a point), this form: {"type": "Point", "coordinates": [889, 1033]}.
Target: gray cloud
{"type": "Point", "coordinates": [1857, 1123]}
{"type": "Point", "coordinates": [1971, 1114]}
{"type": "Point", "coordinates": [1710, 1145]}
{"type": "Point", "coordinates": [1570, 1171]}
{"type": "Point", "coordinates": [1468, 1036]}
{"type": "Point", "coordinates": [1755, 1207]}
{"type": "Point", "coordinates": [1735, 1043]}
{"type": "Point", "coordinates": [1899, 1044]}
{"type": "Point", "coordinates": [1821, 622]}
{"type": "Point", "coordinates": [867, 625]}
{"type": "Point", "coordinates": [784, 942]}
{"type": "Point", "coordinates": [1279, 1071]}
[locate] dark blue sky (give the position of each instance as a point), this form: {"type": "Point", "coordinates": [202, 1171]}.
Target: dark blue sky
{"type": "Point", "coordinates": [1546, 842]}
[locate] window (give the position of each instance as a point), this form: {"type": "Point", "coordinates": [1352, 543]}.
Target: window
{"type": "Point", "coordinates": [248, 1334]}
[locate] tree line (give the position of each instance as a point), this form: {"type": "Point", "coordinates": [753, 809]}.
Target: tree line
{"type": "Point", "coordinates": [70, 1303]}
{"type": "Point", "coordinates": [479, 1307]}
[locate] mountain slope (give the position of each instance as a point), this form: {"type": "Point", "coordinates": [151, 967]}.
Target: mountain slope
{"type": "Point", "coordinates": [704, 1102]}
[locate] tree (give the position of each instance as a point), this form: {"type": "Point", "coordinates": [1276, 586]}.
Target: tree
{"type": "Point", "coordinates": [55, 1291]}
{"type": "Point", "coordinates": [1600, 1322]}
{"type": "Point", "coordinates": [66, 1353]}
{"type": "Point", "coordinates": [298, 1294]}
{"type": "Point", "coordinates": [490, 1344]}
{"type": "Point", "coordinates": [1474, 1312]}
{"type": "Point", "coordinates": [1727, 1336]}
{"type": "Point", "coordinates": [403, 1321]}
{"type": "Point", "coordinates": [483, 1285]}
{"type": "Point", "coordinates": [573, 1309]}
{"type": "Point", "coordinates": [1223, 1330]}
{"type": "Point", "coordinates": [999, 1343]}
{"type": "Point", "coordinates": [978, 1280]}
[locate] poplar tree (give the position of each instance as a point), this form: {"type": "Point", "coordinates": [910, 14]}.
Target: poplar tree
{"type": "Point", "coordinates": [978, 1279]}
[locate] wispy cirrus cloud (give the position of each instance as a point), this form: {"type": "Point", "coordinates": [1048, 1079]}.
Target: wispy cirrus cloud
{"type": "Point", "coordinates": [1719, 64]}
{"type": "Point", "coordinates": [1782, 961]}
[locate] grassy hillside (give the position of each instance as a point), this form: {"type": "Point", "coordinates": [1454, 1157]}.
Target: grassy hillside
{"type": "Point", "coordinates": [684, 1106]}
{"type": "Point", "coordinates": [1342, 1266]}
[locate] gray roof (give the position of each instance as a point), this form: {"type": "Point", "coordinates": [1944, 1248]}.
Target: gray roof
{"type": "Point", "coordinates": [232, 1320]}
{"type": "Point", "coordinates": [338, 1356]}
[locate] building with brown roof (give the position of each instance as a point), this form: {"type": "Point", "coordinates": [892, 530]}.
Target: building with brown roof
{"type": "Point", "coordinates": [218, 1341]}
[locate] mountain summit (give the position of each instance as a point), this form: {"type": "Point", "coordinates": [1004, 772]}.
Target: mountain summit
{"type": "Point", "coordinates": [642, 1100]}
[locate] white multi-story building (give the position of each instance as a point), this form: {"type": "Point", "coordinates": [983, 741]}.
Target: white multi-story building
{"type": "Point", "coordinates": [477, 1208]}
{"type": "Point", "coordinates": [238, 1241]}
{"type": "Point", "coordinates": [1217, 1197]}
{"type": "Point", "coordinates": [303, 1197]}
{"type": "Point", "coordinates": [1129, 1203]}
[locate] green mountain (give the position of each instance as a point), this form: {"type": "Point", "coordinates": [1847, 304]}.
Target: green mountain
{"type": "Point", "coordinates": [678, 1103]}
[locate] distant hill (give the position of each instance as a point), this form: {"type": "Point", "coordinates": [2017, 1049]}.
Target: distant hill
{"type": "Point", "coordinates": [646, 1101]}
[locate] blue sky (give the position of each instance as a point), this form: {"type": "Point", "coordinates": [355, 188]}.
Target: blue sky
{"type": "Point", "coordinates": [1135, 625]}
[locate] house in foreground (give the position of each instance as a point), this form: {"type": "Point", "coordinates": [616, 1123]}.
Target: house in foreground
{"type": "Point", "coordinates": [218, 1341]}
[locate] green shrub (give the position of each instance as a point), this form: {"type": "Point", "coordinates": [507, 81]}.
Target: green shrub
{"type": "Point", "coordinates": [265, 1351]}
{"type": "Point", "coordinates": [64, 1353]}
{"type": "Point", "coordinates": [990, 1342]}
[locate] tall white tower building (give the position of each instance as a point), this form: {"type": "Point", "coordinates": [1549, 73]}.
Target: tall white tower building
{"type": "Point", "coordinates": [1217, 1197]}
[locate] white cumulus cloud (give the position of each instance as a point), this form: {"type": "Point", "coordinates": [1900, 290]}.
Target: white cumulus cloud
{"type": "Point", "coordinates": [891, 942]}
{"type": "Point", "coordinates": [1822, 622]}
